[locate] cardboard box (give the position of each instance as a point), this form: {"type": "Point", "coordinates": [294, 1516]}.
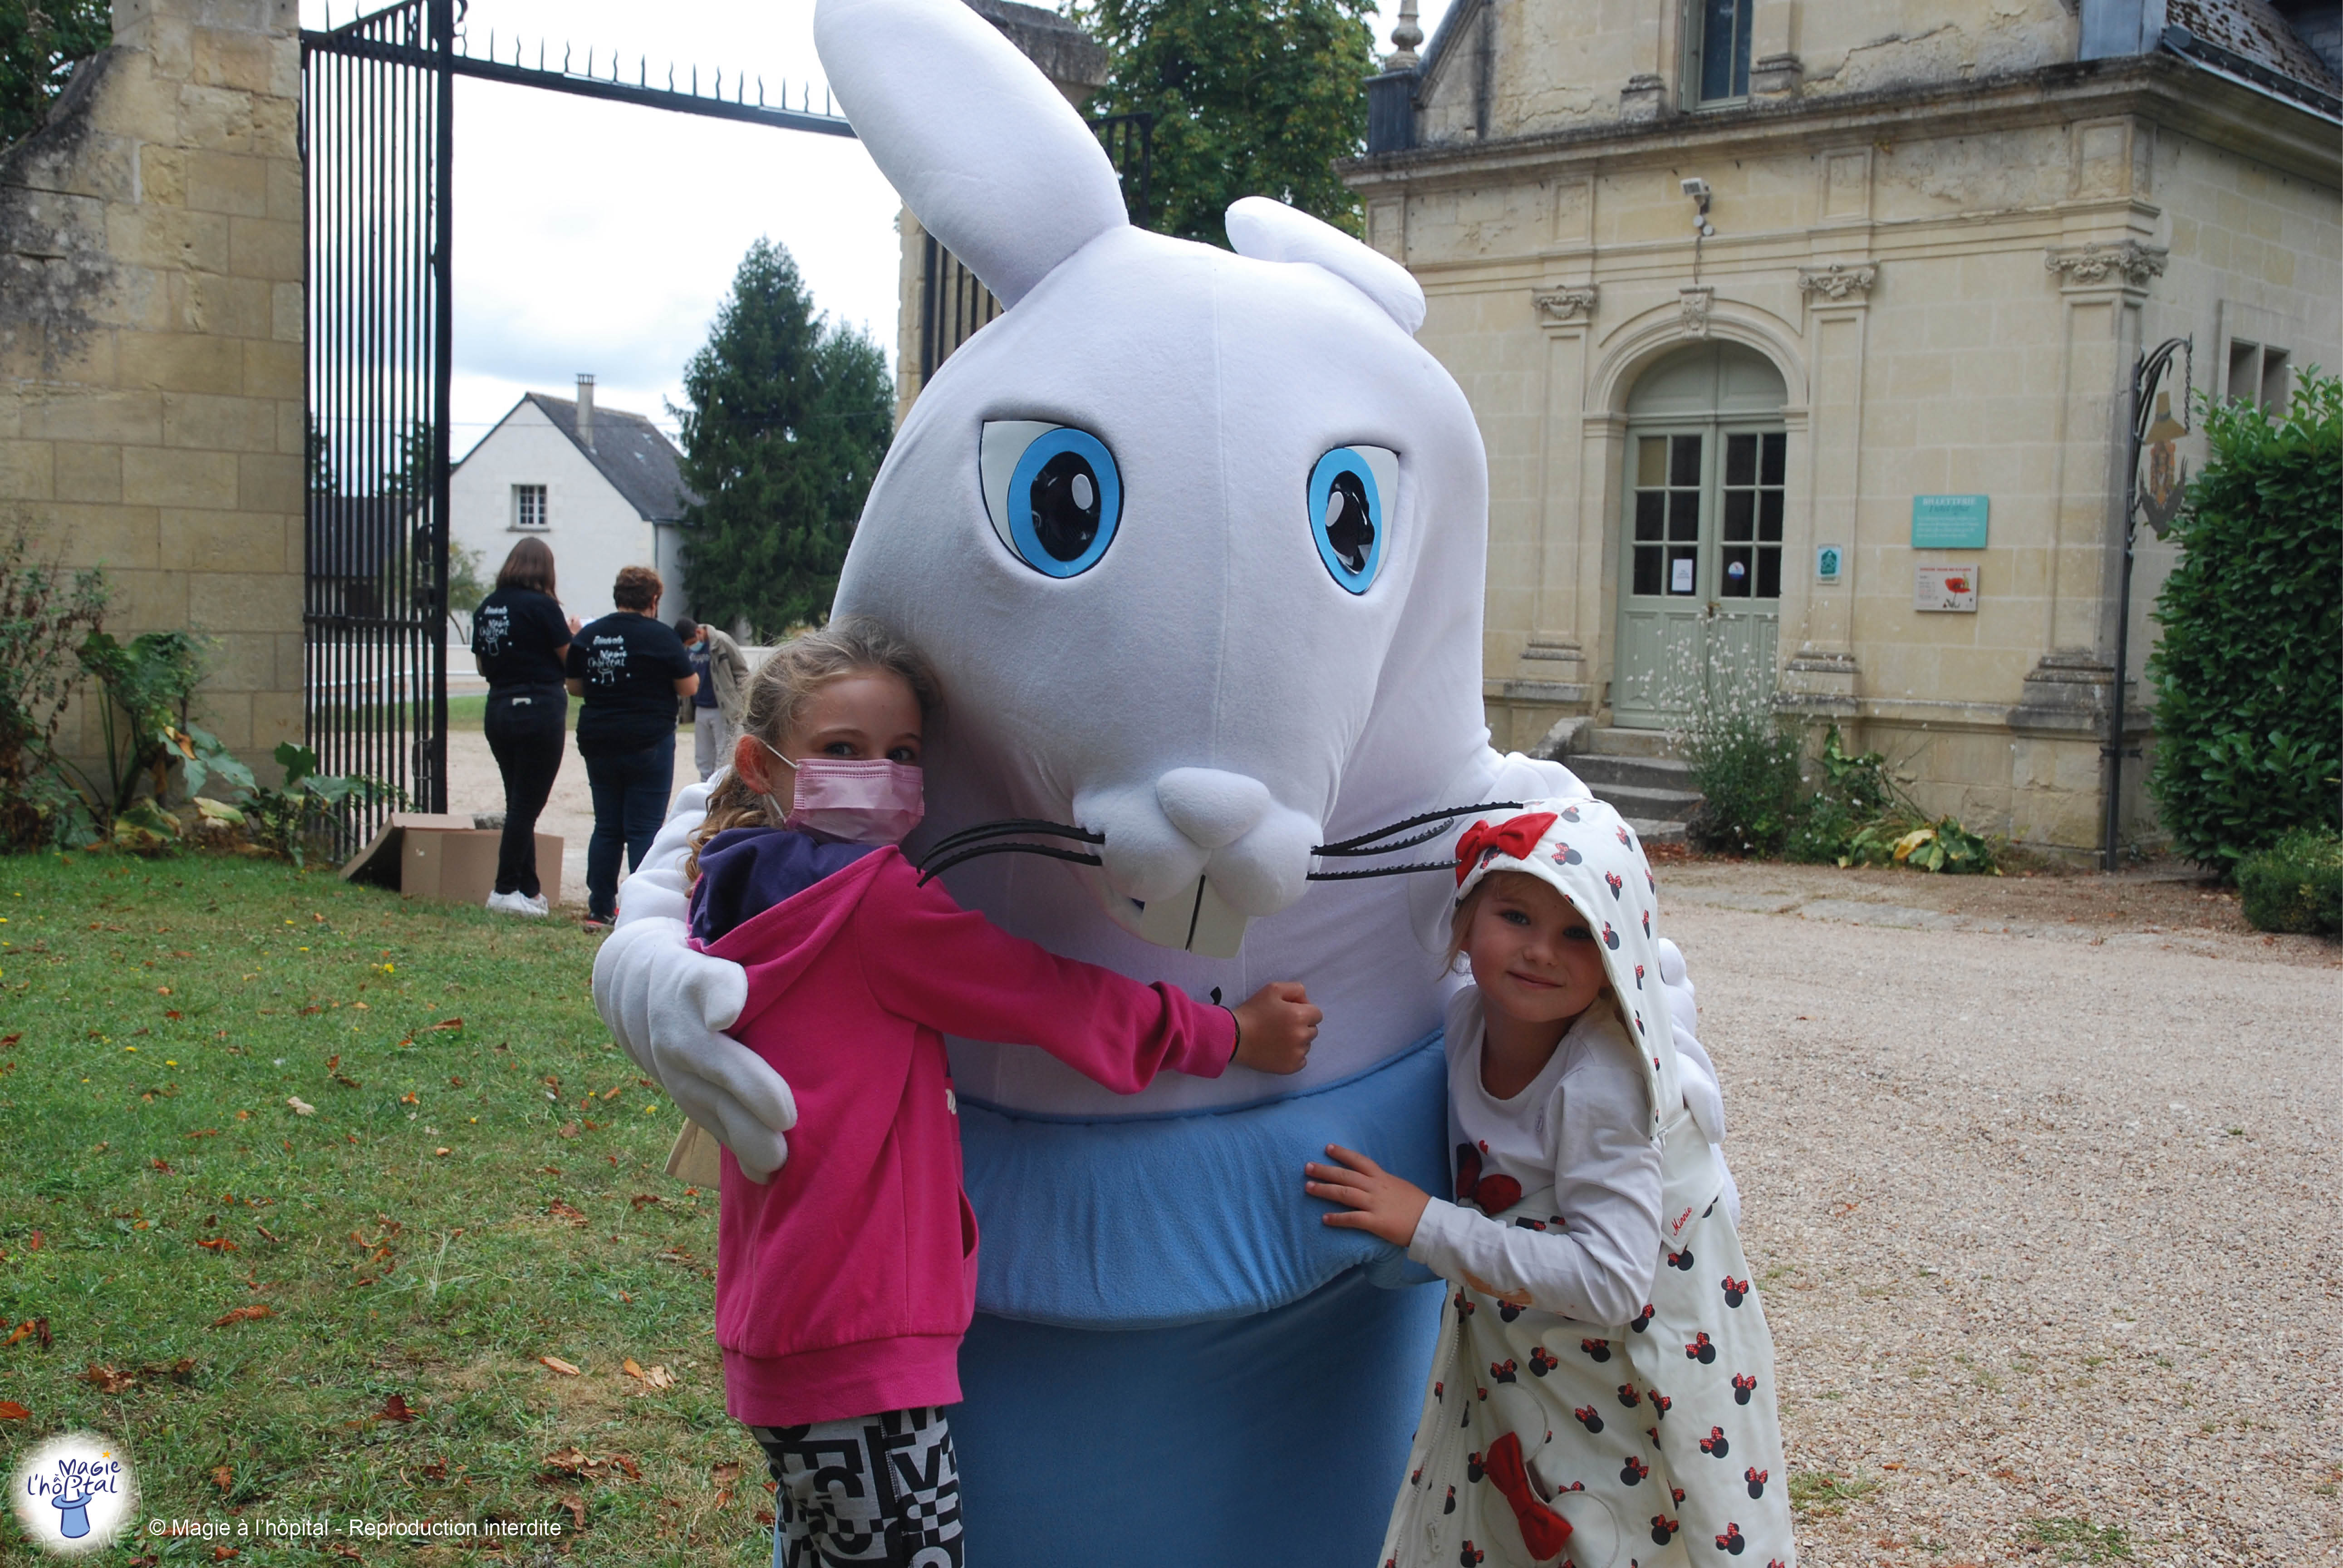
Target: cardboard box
{"type": "Point", "coordinates": [426, 855]}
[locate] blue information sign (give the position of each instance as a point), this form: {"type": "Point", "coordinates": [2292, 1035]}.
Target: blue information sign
{"type": "Point", "coordinates": [1949, 522]}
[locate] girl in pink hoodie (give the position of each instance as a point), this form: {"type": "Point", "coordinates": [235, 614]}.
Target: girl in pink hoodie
{"type": "Point", "coordinates": [843, 1286]}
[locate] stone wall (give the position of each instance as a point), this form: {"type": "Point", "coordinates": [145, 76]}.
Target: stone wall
{"type": "Point", "coordinates": [151, 330]}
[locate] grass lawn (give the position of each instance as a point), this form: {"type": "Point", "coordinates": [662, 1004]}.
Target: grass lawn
{"type": "Point", "coordinates": [283, 1313]}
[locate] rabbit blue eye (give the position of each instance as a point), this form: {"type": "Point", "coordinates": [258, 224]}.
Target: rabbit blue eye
{"type": "Point", "coordinates": [1349, 491]}
{"type": "Point", "coordinates": [1052, 492]}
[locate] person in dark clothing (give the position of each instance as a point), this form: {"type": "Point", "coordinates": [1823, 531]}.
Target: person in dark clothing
{"type": "Point", "coordinates": [629, 668]}
{"type": "Point", "coordinates": [520, 638]}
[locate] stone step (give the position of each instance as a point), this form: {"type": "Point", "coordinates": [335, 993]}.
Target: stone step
{"type": "Point", "coordinates": [1599, 770]}
{"type": "Point", "coordinates": [1656, 833]}
{"type": "Point", "coordinates": [1654, 805]}
{"type": "Point", "coordinates": [1613, 741]}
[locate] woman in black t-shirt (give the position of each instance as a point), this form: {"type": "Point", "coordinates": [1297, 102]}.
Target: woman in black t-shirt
{"type": "Point", "coordinates": [629, 666]}
{"type": "Point", "coordinates": [519, 637]}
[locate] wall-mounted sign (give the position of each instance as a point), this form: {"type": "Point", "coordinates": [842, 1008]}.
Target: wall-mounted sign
{"type": "Point", "coordinates": [1826, 564]}
{"type": "Point", "coordinates": [1949, 522]}
{"type": "Point", "coordinates": [1945, 589]}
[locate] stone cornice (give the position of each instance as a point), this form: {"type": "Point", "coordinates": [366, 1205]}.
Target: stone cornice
{"type": "Point", "coordinates": [1574, 303]}
{"type": "Point", "coordinates": [2159, 87]}
{"type": "Point", "coordinates": [1838, 283]}
{"type": "Point", "coordinates": [2122, 261]}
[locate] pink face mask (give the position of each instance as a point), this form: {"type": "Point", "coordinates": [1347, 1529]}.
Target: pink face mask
{"type": "Point", "coordinates": [861, 800]}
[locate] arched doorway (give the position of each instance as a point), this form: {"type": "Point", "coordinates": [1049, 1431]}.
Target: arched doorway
{"type": "Point", "coordinates": [1700, 558]}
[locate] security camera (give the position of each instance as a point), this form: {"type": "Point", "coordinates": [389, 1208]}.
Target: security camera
{"type": "Point", "coordinates": [1696, 188]}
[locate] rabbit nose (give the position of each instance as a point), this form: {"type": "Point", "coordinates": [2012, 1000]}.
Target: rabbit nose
{"type": "Point", "coordinates": [1212, 809]}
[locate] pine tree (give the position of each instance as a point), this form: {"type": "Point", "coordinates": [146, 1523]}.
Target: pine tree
{"type": "Point", "coordinates": [1251, 97]}
{"type": "Point", "coordinates": [790, 416]}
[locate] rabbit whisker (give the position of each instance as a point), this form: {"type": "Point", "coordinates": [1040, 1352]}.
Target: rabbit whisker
{"type": "Point", "coordinates": [1013, 825]}
{"type": "Point", "coordinates": [1365, 843]}
{"type": "Point", "coordinates": [1380, 871]}
{"type": "Point", "coordinates": [934, 866]}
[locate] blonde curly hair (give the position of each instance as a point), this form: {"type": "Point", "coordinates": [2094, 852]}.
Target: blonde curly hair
{"type": "Point", "coordinates": [777, 697]}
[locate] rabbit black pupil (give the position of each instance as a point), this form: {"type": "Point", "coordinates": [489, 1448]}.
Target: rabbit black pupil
{"type": "Point", "coordinates": [1065, 501]}
{"type": "Point", "coordinates": [1349, 530]}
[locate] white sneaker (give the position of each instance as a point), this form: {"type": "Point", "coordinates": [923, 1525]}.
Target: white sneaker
{"type": "Point", "coordinates": [538, 906]}
{"type": "Point", "coordinates": [513, 903]}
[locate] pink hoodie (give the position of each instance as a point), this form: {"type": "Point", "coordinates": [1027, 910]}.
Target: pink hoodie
{"type": "Point", "coordinates": [843, 1287]}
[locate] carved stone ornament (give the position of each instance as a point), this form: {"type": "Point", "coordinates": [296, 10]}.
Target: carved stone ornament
{"type": "Point", "coordinates": [1838, 281]}
{"type": "Point", "coordinates": [1575, 304]}
{"type": "Point", "coordinates": [1695, 302]}
{"type": "Point", "coordinates": [2095, 263]}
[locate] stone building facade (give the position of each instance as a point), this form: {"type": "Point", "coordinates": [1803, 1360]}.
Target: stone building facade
{"type": "Point", "coordinates": [151, 330]}
{"type": "Point", "coordinates": [1738, 288]}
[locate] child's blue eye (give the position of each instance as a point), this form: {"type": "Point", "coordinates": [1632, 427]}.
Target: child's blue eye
{"type": "Point", "coordinates": [1350, 490]}
{"type": "Point", "coordinates": [1053, 491]}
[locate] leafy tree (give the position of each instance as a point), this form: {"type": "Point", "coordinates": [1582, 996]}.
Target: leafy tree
{"type": "Point", "coordinates": [790, 416]}
{"type": "Point", "coordinates": [2248, 675]}
{"type": "Point", "coordinates": [1251, 97]}
{"type": "Point", "coordinates": [38, 47]}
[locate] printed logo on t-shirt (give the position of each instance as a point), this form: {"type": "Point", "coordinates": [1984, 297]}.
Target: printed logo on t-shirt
{"type": "Point", "coordinates": [491, 629]}
{"type": "Point", "coordinates": [606, 664]}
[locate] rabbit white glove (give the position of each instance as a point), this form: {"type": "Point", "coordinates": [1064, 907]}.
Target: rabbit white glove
{"type": "Point", "coordinates": [667, 1007]}
{"type": "Point", "coordinates": [1704, 1093]}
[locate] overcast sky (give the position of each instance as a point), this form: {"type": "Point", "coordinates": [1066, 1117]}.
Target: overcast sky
{"type": "Point", "coordinates": [601, 237]}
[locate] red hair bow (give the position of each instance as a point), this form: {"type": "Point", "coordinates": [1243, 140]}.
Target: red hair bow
{"type": "Point", "coordinates": [1518, 838]}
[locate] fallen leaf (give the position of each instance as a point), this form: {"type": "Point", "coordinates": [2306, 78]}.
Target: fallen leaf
{"type": "Point", "coordinates": [223, 1478]}
{"type": "Point", "coordinates": [221, 1553]}
{"type": "Point", "coordinates": [11, 1411]}
{"type": "Point", "coordinates": [266, 1232]}
{"type": "Point", "coordinates": [162, 990]}
{"type": "Point", "coordinates": [8, 1039]}
{"type": "Point", "coordinates": [409, 1098]}
{"type": "Point", "coordinates": [456, 1083]}
{"type": "Point", "coordinates": [630, 1366]}
{"type": "Point", "coordinates": [395, 1408]}
{"type": "Point", "coordinates": [205, 1132]}
{"type": "Point", "coordinates": [107, 1380]}
{"type": "Point", "coordinates": [614, 1091]}
{"type": "Point", "coordinates": [563, 1211]}
{"type": "Point", "coordinates": [32, 1243]}
{"type": "Point", "coordinates": [174, 1015]}
{"type": "Point", "coordinates": [436, 1469]}
{"type": "Point", "coordinates": [724, 1474]}
{"type": "Point", "coordinates": [241, 1315]}
{"type": "Point", "coordinates": [446, 1023]}
{"type": "Point", "coordinates": [644, 1200]}
{"type": "Point", "coordinates": [625, 1463]}
{"type": "Point", "coordinates": [343, 1548]}
{"type": "Point", "coordinates": [180, 1370]}
{"type": "Point", "coordinates": [659, 1377]}
{"type": "Point", "coordinates": [218, 1244]}
{"type": "Point", "coordinates": [569, 1130]}
{"type": "Point", "coordinates": [576, 1507]}
{"type": "Point", "coordinates": [572, 1459]}
{"type": "Point", "coordinates": [558, 1365]}
{"type": "Point", "coordinates": [300, 1106]}
{"type": "Point", "coordinates": [161, 1165]}
{"type": "Point", "coordinates": [764, 1517]}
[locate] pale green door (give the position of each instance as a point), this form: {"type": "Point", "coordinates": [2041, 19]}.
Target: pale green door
{"type": "Point", "coordinates": [1701, 555]}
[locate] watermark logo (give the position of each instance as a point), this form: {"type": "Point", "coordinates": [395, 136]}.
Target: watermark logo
{"type": "Point", "coordinates": [75, 1493]}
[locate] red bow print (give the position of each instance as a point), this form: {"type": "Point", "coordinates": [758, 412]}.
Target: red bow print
{"type": "Point", "coordinates": [1517, 837]}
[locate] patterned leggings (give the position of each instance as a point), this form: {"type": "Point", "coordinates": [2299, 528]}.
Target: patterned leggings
{"type": "Point", "coordinates": [877, 1489]}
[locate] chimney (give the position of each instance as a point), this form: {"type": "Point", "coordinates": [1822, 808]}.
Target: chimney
{"type": "Point", "coordinates": [586, 411]}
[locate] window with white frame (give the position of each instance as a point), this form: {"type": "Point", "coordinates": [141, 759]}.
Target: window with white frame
{"type": "Point", "coordinates": [1716, 53]}
{"type": "Point", "coordinates": [529, 506]}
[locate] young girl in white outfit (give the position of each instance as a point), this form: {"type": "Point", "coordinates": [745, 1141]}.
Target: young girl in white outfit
{"type": "Point", "coordinates": [1602, 1388]}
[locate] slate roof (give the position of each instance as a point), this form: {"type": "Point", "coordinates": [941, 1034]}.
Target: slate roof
{"type": "Point", "coordinates": [2256, 29]}
{"type": "Point", "coordinates": [635, 455]}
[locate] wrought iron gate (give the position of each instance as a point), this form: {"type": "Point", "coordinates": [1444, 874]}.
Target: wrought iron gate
{"type": "Point", "coordinates": [378, 132]}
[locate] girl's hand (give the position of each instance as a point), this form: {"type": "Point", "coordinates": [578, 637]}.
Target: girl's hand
{"type": "Point", "coordinates": [1374, 1200]}
{"type": "Point", "coordinates": [1274, 1028]}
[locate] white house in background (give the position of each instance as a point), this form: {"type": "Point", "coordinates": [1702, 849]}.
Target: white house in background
{"type": "Point", "coordinates": [604, 488]}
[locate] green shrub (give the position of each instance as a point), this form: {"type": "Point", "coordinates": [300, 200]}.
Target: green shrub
{"type": "Point", "coordinates": [2295, 884]}
{"type": "Point", "coordinates": [2248, 675]}
{"type": "Point", "coordinates": [1850, 793]}
{"type": "Point", "coordinates": [1745, 763]}
{"type": "Point", "coordinates": [44, 617]}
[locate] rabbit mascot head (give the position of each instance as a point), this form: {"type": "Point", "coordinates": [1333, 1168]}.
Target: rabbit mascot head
{"type": "Point", "coordinates": [1197, 541]}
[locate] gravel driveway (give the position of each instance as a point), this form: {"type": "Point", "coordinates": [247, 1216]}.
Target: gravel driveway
{"type": "Point", "coordinates": [2046, 1221]}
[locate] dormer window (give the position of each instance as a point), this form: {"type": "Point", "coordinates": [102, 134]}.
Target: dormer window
{"type": "Point", "coordinates": [529, 506]}
{"type": "Point", "coordinates": [1717, 59]}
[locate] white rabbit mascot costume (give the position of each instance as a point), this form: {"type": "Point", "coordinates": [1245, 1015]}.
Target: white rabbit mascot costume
{"type": "Point", "coordinates": [1196, 540]}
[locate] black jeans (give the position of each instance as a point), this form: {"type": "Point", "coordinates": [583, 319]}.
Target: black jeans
{"type": "Point", "coordinates": [524, 726]}
{"type": "Point", "coordinates": [630, 790]}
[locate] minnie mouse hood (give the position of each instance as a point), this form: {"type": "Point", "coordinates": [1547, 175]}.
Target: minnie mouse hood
{"type": "Point", "coordinates": [1584, 850]}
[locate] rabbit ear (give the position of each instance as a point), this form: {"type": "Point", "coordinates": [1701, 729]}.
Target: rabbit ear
{"type": "Point", "coordinates": [988, 155]}
{"type": "Point", "coordinates": [1272, 231]}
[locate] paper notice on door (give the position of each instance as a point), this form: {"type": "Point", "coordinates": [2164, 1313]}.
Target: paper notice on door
{"type": "Point", "coordinates": [1680, 574]}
